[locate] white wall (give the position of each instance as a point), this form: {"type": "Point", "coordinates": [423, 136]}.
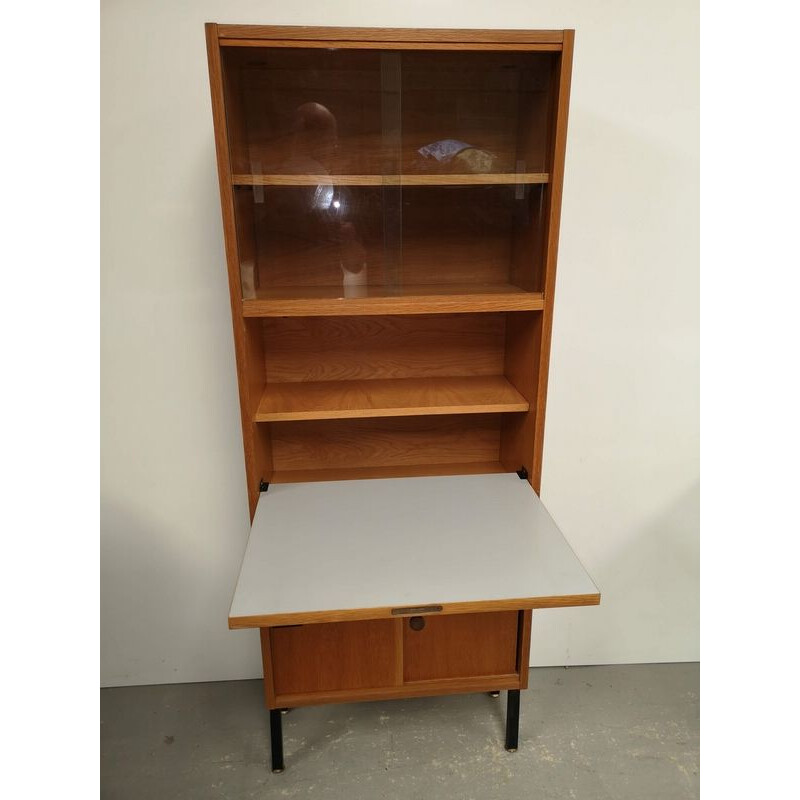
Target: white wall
{"type": "Point", "coordinates": [621, 450]}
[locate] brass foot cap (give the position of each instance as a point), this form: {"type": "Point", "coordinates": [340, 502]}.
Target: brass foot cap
{"type": "Point", "coordinates": [276, 771]}
{"type": "Point", "coordinates": [511, 749]}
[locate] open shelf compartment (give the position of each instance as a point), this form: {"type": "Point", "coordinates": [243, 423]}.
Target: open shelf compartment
{"type": "Point", "coordinates": [386, 396]}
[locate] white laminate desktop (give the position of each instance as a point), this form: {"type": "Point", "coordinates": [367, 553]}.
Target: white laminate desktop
{"type": "Point", "coordinates": [366, 545]}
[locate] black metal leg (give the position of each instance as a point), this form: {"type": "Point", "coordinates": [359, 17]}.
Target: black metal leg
{"type": "Point", "coordinates": [276, 739]}
{"type": "Point", "coordinates": [512, 721]}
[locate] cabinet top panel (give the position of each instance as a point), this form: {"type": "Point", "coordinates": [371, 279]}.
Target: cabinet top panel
{"type": "Point", "coordinates": [431, 35]}
{"type": "Point", "coordinates": [334, 551]}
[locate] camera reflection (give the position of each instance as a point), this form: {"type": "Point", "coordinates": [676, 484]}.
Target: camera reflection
{"type": "Point", "coordinates": [329, 212]}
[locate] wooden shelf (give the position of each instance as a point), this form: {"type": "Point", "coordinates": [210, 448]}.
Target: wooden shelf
{"type": "Point", "coordinates": [476, 179]}
{"type": "Point", "coordinates": [398, 471]}
{"type": "Point", "coordinates": [404, 397]}
{"type": "Point", "coordinates": [328, 301]}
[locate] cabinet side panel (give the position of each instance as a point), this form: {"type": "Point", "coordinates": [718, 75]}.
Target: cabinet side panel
{"type": "Point", "coordinates": [562, 78]}
{"type": "Point", "coordinates": [256, 444]}
{"type": "Point", "coordinates": [266, 662]}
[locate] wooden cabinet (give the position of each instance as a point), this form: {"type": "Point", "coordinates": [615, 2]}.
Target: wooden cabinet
{"type": "Point", "coordinates": [339, 661]}
{"type": "Point", "coordinates": [390, 202]}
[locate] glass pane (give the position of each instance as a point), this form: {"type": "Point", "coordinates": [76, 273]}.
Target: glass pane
{"type": "Point", "coordinates": [475, 112]}
{"type": "Point", "coordinates": [312, 236]}
{"type": "Point", "coordinates": [304, 112]}
{"type": "Point", "coordinates": [375, 173]}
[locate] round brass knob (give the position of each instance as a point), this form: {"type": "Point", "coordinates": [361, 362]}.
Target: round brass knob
{"type": "Point", "coordinates": [417, 623]}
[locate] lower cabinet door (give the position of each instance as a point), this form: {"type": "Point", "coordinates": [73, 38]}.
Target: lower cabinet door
{"type": "Point", "coordinates": [363, 655]}
{"type": "Point", "coordinates": [460, 645]}
{"type": "Point", "coordinates": [332, 656]}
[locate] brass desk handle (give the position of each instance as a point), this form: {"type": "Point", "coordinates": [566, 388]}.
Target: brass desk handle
{"type": "Point", "coordinates": [414, 610]}
{"type": "Point", "coordinates": [416, 623]}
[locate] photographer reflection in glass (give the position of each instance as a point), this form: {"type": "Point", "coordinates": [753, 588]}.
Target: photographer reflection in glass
{"type": "Point", "coordinates": [329, 213]}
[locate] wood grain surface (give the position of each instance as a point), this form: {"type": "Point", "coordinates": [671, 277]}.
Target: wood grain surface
{"type": "Point", "coordinates": [333, 656]}
{"type": "Point", "coordinates": [562, 79]}
{"type": "Point", "coordinates": [385, 612]}
{"type": "Point", "coordinates": [445, 686]}
{"type": "Point", "coordinates": [401, 441]}
{"type": "Point", "coordinates": [429, 35]}
{"type": "Point", "coordinates": [329, 301]}
{"type": "Point", "coordinates": [397, 471]}
{"type": "Point", "coordinates": [388, 398]}
{"type": "Point", "coordinates": [373, 347]}
{"type": "Point", "coordinates": [455, 179]}
{"type": "Point", "coordinates": [461, 646]}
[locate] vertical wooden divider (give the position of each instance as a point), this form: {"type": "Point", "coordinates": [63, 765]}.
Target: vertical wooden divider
{"type": "Point", "coordinates": [398, 651]}
{"type": "Point", "coordinates": [524, 647]}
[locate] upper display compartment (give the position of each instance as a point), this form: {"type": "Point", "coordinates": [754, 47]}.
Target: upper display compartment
{"type": "Point", "coordinates": [363, 117]}
{"type": "Point", "coordinates": [387, 177]}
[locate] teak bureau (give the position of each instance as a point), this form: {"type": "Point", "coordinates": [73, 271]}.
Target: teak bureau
{"type": "Point", "coordinates": [390, 202]}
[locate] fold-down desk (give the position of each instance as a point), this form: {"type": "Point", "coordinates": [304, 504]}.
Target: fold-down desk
{"type": "Point", "coordinates": [375, 589]}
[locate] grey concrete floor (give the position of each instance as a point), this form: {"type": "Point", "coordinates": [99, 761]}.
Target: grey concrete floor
{"type": "Point", "coordinates": [591, 733]}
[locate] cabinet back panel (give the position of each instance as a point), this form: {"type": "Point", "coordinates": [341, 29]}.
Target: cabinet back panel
{"type": "Point", "coordinates": [406, 441]}
{"type": "Point", "coordinates": [372, 347]}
